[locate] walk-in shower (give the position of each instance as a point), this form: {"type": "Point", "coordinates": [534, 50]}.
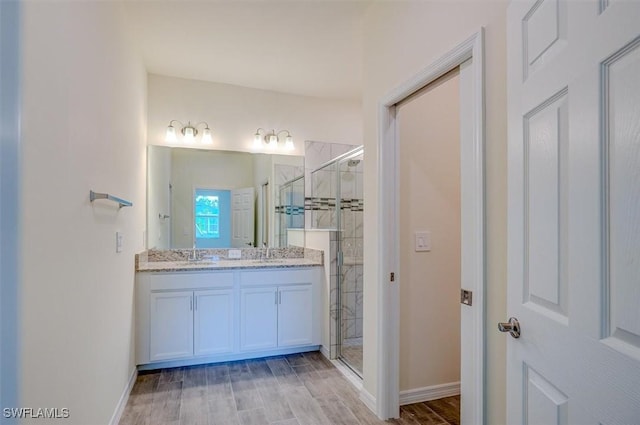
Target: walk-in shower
{"type": "Point", "coordinates": [337, 197]}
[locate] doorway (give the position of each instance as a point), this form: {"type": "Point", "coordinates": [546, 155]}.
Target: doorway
{"type": "Point", "coordinates": [468, 56]}
{"type": "Point", "coordinates": [430, 247]}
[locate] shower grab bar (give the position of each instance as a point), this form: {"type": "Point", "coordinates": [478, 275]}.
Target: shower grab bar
{"type": "Point", "coordinates": [121, 202]}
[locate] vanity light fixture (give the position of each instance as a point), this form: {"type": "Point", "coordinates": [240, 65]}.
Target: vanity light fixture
{"type": "Point", "coordinates": [270, 140]}
{"type": "Point", "coordinates": [189, 131]}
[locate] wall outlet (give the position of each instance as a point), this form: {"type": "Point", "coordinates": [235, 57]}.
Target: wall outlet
{"type": "Point", "coordinates": [235, 254]}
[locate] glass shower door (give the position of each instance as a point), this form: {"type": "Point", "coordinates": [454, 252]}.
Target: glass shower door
{"type": "Point", "coordinates": [349, 214]}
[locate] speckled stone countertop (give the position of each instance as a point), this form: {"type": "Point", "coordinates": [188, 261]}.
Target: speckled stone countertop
{"type": "Point", "coordinates": [177, 260]}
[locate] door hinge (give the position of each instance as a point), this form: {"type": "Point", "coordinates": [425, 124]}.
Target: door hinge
{"type": "Point", "coordinates": [392, 277]}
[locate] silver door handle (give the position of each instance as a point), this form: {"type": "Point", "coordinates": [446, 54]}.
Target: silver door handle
{"type": "Point", "coordinates": [512, 326]}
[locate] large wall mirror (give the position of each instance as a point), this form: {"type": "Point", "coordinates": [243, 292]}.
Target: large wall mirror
{"type": "Point", "coordinates": [221, 199]}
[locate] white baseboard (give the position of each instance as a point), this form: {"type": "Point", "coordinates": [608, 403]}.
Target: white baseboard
{"type": "Point", "coordinates": [433, 392]}
{"type": "Point", "coordinates": [369, 400]}
{"type": "Point", "coordinates": [122, 403]}
{"type": "Point", "coordinates": [325, 352]}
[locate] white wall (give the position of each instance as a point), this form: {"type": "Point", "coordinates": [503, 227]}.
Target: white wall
{"type": "Point", "coordinates": [234, 113]}
{"type": "Point", "coordinates": [321, 240]}
{"type": "Point", "coordinates": [83, 117]}
{"type": "Point", "coordinates": [429, 138]}
{"type": "Point", "coordinates": [402, 38]}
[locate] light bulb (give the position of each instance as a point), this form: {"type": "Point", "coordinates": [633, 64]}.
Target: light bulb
{"type": "Point", "coordinates": [288, 143]}
{"type": "Point", "coordinates": [206, 136]}
{"type": "Point", "coordinates": [171, 134]}
{"type": "Point", "coordinates": [257, 141]}
{"type": "Point", "coordinates": [189, 136]}
{"type": "Point", "coordinates": [273, 141]}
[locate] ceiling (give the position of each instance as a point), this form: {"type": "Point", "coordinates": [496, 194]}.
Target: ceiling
{"type": "Point", "coordinates": [311, 48]}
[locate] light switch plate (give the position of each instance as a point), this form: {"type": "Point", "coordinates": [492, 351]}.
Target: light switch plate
{"type": "Point", "coordinates": [235, 254]}
{"type": "Point", "coordinates": [119, 238]}
{"type": "Point", "coordinates": [423, 241]}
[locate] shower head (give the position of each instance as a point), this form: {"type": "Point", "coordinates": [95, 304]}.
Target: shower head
{"type": "Point", "coordinates": [353, 162]}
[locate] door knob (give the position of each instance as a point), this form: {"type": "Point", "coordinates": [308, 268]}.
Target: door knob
{"type": "Point", "coordinates": [512, 326]}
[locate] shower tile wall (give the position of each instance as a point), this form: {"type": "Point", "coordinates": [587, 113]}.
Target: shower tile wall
{"type": "Point", "coordinates": [324, 183]}
{"type": "Point", "coordinates": [351, 295]}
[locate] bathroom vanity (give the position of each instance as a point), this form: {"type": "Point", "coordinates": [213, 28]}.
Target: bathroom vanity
{"type": "Point", "coordinates": [193, 312]}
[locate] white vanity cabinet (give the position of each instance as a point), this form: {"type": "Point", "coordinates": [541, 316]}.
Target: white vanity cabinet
{"type": "Point", "coordinates": [206, 316]}
{"type": "Point", "coordinates": [213, 321]}
{"type": "Point", "coordinates": [276, 316]}
{"type": "Point", "coordinates": [187, 323]}
{"type": "Point", "coordinates": [295, 315]}
{"type": "Point", "coordinates": [171, 320]}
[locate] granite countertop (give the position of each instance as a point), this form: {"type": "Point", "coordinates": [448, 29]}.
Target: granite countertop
{"type": "Point", "coordinates": [217, 259]}
{"type": "Point", "coordinates": [180, 266]}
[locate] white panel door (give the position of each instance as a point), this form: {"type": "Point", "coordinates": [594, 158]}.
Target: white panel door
{"type": "Point", "coordinates": [171, 324]}
{"type": "Point", "coordinates": [213, 322]}
{"type": "Point", "coordinates": [258, 318]}
{"type": "Point", "coordinates": [295, 315]}
{"type": "Point", "coordinates": [574, 212]}
{"type": "Point", "coordinates": [242, 217]}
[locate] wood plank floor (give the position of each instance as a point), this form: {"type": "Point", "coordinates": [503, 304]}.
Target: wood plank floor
{"type": "Point", "coordinates": [444, 411]}
{"type": "Point", "coordinates": [298, 389]}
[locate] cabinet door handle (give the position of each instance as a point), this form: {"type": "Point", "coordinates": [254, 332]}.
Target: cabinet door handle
{"type": "Point", "coordinates": [191, 303]}
{"type": "Point", "coordinates": [279, 297]}
{"type": "Point", "coordinates": [195, 301]}
{"type": "Point", "coordinates": [276, 294]}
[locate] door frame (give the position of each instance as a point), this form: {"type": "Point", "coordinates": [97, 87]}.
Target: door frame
{"type": "Point", "coordinates": [472, 183]}
{"type": "Point", "coordinates": [10, 184]}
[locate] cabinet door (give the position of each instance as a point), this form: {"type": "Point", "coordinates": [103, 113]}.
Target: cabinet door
{"type": "Point", "coordinates": [171, 318]}
{"type": "Point", "coordinates": [258, 318]}
{"type": "Point", "coordinates": [295, 315]}
{"type": "Point", "coordinates": [213, 322]}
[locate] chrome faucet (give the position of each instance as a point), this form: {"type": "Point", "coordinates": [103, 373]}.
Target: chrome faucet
{"type": "Point", "coordinates": [265, 252]}
{"type": "Point", "coordinates": [194, 254]}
